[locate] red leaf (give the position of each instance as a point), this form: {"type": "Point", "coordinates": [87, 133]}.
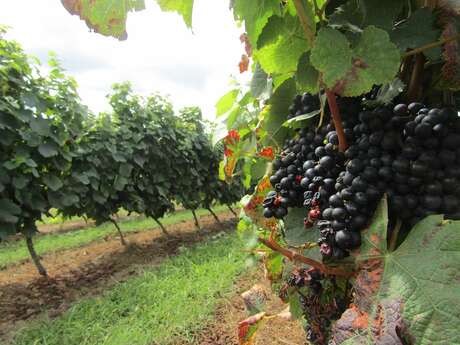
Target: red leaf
{"type": "Point", "coordinates": [247, 329]}
{"type": "Point", "coordinates": [244, 63]}
{"type": "Point", "coordinates": [247, 45]}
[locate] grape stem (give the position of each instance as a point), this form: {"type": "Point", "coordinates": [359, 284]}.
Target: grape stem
{"type": "Point", "coordinates": [431, 45]}
{"type": "Point", "coordinates": [309, 34]}
{"type": "Point", "coordinates": [415, 85]}
{"type": "Point", "coordinates": [335, 113]}
{"type": "Point", "coordinates": [273, 245]}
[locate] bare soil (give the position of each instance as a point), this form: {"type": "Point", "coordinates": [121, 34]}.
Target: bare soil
{"type": "Point", "coordinates": [224, 329]}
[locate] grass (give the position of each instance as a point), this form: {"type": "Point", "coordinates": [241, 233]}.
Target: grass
{"type": "Point", "coordinates": [161, 306]}
{"type": "Point", "coordinates": [12, 252]}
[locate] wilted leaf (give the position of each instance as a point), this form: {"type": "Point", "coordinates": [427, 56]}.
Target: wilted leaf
{"type": "Point", "coordinates": [107, 17]}
{"type": "Point", "coordinates": [247, 329]}
{"type": "Point", "coordinates": [255, 299]}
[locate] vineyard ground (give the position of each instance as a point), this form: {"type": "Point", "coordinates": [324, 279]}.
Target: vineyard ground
{"type": "Point", "coordinates": [15, 252]}
{"type": "Point", "coordinates": [204, 311]}
{"type": "Point", "coordinates": [91, 270]}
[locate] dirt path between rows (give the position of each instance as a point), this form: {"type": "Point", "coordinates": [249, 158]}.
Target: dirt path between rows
{"type": "Point", "coordinates": [90, 270]}
{"type": "Point", "coordinates": [224, 329]}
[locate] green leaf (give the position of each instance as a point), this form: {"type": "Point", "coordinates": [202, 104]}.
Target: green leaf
{"type": "Point", "coordinates": [48, 150]}
{"type": "Point", "coordinates": [295, 122]}
{"type": "Point", "coordinates": [6, 230]}
{"type": "Point", "coordinates": [419, 29]}
{"type": "Point", "coordinates": [53, 182]}
{"type": "Point", "coordinates": [379, 13]}
{"type": "Point", "coordinates": [408, 294]}
{"type": "Point", "coordinates": [226, 102]}
{"type": "Point", "coordinates": [331, 55]}
{"type": "Point", "coordinates": [255, 14]}
{"type": "Point", "coordinates": [107, 17]}
{"type": "Point", "coordinates": [40, 126]}
{"type": "Point", "coordinates": [295, 307]}
{"type": "Point", "coordinates": [139, 160]}
{"type": "Point", "coordinates": [261, 84]}
{"type": "Point", "coordinates": [307, 77]}
{"type": "Point", "coordinates": [70, 199]}
{"type": "Point", "coordinates": [295, 233]}
{"type": "Point", "coordinates": [19, 182]}
{"type": "Point", "coordinates": [387, 93]}
{"type": "Point", "coordinates": [355, 15]}
{"type": "Point", "coordinates": [278, 106]}
{"type": "Point", "coordinates": [376, 61]}
{"type": "Point", "coordinates": [183, 7]}
{"type": "Point", "coordinates": [274, 264]}
{"type": "Point", "coordinates": [31, 163]}
{"type": "Point", "coordinates": [285, 47]}
{"type": "Point", "coordinates": [125, 170]}
{"type": "Point", "coordinates": [120, 183]}
{"type": "Point", "coordinates": [8, 211]}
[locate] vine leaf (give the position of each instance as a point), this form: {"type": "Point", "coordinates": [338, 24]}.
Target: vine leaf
{"type": "Point", "coordinates": [278, 105]}
{"type": "Point", "coordinates": [351, 72]}
{"type": "Point", "coordinates": [355, 15]}
{"type": "Point", "coordinates": [9, 211]}
{"type": "Point", "coordinates": [387, 93]}
{"type": "Point", "coordinates": [282, 45]}
{"type": "Point", "coordinates": [409, 295]}
{"type": "Point", "coordinates": [307, 77]}
{"type": "Point", "coordinates": [295, 232]}
{"type": "Point", "coordinates": [261, 84]}
{"type": "Point", "coordinates": [226, 102]}
{"type": "Point", "coordinates": [376, 61]}
{"type": "Point", "coordinates": [298, 121]}
{"type": "Point", "coordinates": [407, 35]}
{"type": "Point", "coordinates": [107, 17]}
{"type": "Point", "coordinates": [255, 299]}
{"type": "Point", "coordinates": [247, 329]}
{"type": "Point", "coordinates": [255, 15]}
{"type": "Point", "coordinates": [48, 150]}
{"type": "Point", "coordinates": [331, 55]}
{"type": "Point", "coordinates": [183, 7]}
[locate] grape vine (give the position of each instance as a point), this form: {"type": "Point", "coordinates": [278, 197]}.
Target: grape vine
{"type": "Point", "coordinates": [363, 164]}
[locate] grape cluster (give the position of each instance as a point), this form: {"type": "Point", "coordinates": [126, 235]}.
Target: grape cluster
{"type": "Point", "coordinates": [408, 152]}
{"type": "Point", "coordinates": [303, 104]}
{"type": "Point", "coordinates": [321, 301]}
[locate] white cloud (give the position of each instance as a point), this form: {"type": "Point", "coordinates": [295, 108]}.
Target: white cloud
{"type": "Point", "coordinates": [161, 54]}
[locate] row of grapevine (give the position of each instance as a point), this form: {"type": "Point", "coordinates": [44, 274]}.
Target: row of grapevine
{"type": "Point", "coordinates": [54, 154]}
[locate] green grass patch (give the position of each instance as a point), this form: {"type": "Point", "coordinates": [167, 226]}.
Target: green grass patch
{"type": "Point", "coordinates": [172, 301]}
{"type": "Point", "coordinates": [11, 252]}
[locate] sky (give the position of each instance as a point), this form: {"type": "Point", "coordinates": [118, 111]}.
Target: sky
{"type": "Point", "coordinates": [160, 55]}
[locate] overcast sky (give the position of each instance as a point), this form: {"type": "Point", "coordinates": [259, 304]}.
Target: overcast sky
{"type": "Point", "coordinates": [160, 54]}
